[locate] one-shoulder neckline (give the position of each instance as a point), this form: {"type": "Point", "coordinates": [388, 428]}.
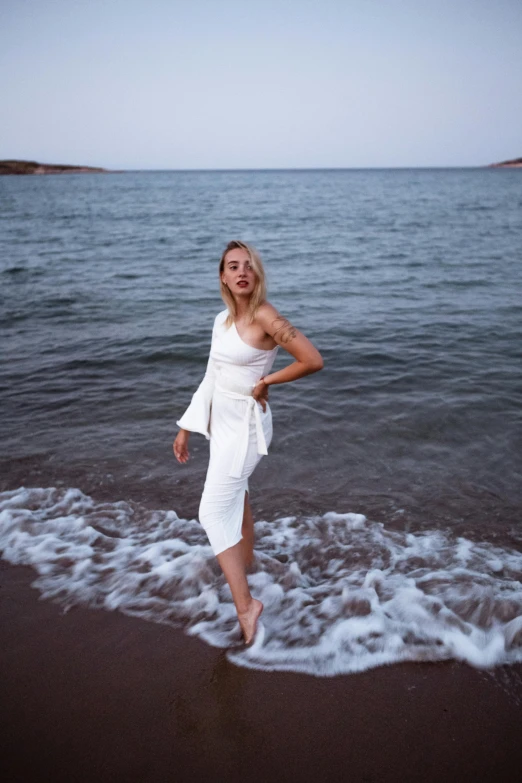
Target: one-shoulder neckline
{"type": "Point", "coordinates": [253, 347]}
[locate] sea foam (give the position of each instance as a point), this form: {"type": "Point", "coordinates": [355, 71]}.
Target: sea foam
{"type": "Point", "coordinates": [341, 593]}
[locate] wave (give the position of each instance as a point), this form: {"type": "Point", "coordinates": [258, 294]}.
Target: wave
{"type": "Point", "coordinates": [341, 593]}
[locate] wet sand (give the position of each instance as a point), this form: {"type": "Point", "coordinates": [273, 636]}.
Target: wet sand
{"type": "Point", "coordinates": [98, 696]}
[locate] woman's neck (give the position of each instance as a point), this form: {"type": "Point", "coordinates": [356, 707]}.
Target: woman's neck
{"type": "Point", "coordinates": [241, 308]}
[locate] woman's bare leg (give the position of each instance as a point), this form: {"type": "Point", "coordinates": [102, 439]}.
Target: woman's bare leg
{"type": "Point", "coordinates": [248, 609]}
{"type": "Point", "coordinates": [247, 531]}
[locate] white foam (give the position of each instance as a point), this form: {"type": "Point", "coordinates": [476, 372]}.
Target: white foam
{"type": "Point", "coordinates": [341, 594]}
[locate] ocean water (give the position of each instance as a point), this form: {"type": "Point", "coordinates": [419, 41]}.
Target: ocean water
{"type": "Point", "coordinates": [389, 508]}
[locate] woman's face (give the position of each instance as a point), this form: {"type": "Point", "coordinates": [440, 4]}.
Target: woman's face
{"type": "Point", "coordinates": [238, 273]}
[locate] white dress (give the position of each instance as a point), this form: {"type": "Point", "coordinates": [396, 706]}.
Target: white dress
{"type": "Point", "coordinates": [239, 431]}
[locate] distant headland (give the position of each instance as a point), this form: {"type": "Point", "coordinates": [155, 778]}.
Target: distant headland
{"type": "Point", "coordinates": [508, 164]}
{"type": "Point", "coordinates": [31, 167]}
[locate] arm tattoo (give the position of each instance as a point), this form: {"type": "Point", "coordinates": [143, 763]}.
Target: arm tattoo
{"type": "Point", "coordinates": [284, 331]}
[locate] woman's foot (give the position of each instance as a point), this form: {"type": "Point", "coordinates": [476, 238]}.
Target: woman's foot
{"type": "Point", "coordinates": [248, 620]}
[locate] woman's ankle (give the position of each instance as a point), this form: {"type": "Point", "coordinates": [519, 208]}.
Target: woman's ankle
{"type": "Point", "coordinates": [245, 606]}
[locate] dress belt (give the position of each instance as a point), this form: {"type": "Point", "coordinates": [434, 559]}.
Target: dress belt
{"type": "Point", "coordinates": [253, 408]}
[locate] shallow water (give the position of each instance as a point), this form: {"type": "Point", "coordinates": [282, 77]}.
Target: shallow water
{"type": "Point", "coordinates": [341, 594]}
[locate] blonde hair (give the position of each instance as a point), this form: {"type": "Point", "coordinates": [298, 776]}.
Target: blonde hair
{"type": "Point", "coordinates": [258, 295]}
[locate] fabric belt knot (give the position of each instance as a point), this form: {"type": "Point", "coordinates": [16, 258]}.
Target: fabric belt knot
{"type": "Point", "coordinates": [252, 409]}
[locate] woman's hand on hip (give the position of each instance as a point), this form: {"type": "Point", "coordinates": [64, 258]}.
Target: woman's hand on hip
{"type": "Point", "coordinates": [180, 446]}
{"type": "Point", "coordinates": [260, 393]}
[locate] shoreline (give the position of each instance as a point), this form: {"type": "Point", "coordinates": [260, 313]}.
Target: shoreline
{"type": "Point", "coordinates": [482, 515]}
{"type": "Point", "coordinates": [91, 694]}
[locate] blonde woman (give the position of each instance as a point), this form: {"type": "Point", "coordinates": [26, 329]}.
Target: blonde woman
{"type": "Point", "coordinates": [231, 409]}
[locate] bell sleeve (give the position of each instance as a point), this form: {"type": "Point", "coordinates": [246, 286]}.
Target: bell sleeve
{"type": "Point", "coordinates": [197, 416]}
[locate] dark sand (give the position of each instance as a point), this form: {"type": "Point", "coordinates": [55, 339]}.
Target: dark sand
{"type": "Point", "coordinates": [98, 696]}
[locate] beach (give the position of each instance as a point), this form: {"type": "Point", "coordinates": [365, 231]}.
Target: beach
{"type": "Point", "coordinates": [388, 536]}
{"type": "Point", "coordinates": [99, 696]}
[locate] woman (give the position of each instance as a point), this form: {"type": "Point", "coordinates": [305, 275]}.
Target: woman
{"type": "Point", "coordinates": [230, 408]}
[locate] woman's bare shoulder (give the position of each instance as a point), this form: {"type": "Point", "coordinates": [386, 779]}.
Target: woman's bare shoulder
{"type": "Point", "coordinates": [266, 312]}
{"type": "Point", "coordinates": [275, 324]}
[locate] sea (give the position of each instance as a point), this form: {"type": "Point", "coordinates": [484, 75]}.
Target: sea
{"type": "Point", "coordinates": [388, 510]}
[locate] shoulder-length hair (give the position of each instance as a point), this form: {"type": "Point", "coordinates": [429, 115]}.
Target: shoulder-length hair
{"type": "Point", "coordinates": [258, 295]}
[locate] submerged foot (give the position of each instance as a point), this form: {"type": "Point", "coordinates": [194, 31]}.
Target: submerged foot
{"type": "Point", "coordinates": [248, 620]}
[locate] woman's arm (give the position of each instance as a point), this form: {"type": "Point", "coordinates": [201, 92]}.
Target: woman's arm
{"type": "Point", "coordinates": [307, 358]}
{"type": "Point", "coordinates": [197, 416]}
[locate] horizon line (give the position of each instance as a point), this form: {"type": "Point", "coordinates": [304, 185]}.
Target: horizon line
{"type": "Point", "coordinates": [315, 168]}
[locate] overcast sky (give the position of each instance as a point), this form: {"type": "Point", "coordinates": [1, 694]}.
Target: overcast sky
{"type": "Point", "coordinates": [261, 83]}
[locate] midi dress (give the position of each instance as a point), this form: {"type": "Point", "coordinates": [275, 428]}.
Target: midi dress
{"type": "Point", "coordinates": [224, 411]}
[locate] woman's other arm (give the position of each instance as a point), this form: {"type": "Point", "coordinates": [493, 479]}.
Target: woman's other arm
{"type": "Point", "coordinates": [197, 416]}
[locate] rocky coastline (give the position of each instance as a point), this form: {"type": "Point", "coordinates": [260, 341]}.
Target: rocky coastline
{"type": "Point", "coordinates": [24, 167]}
{"type": "Point", "coordinates": [515, 163]}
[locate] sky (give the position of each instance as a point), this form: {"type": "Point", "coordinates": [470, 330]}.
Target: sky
{"type": "Point", "coordinates": [227, 84]}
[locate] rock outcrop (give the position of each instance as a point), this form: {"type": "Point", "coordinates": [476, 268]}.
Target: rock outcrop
{"type": "Point", "coordinates": [507, 164]}
{"type": "Point", "coordinates": [31, 167]}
